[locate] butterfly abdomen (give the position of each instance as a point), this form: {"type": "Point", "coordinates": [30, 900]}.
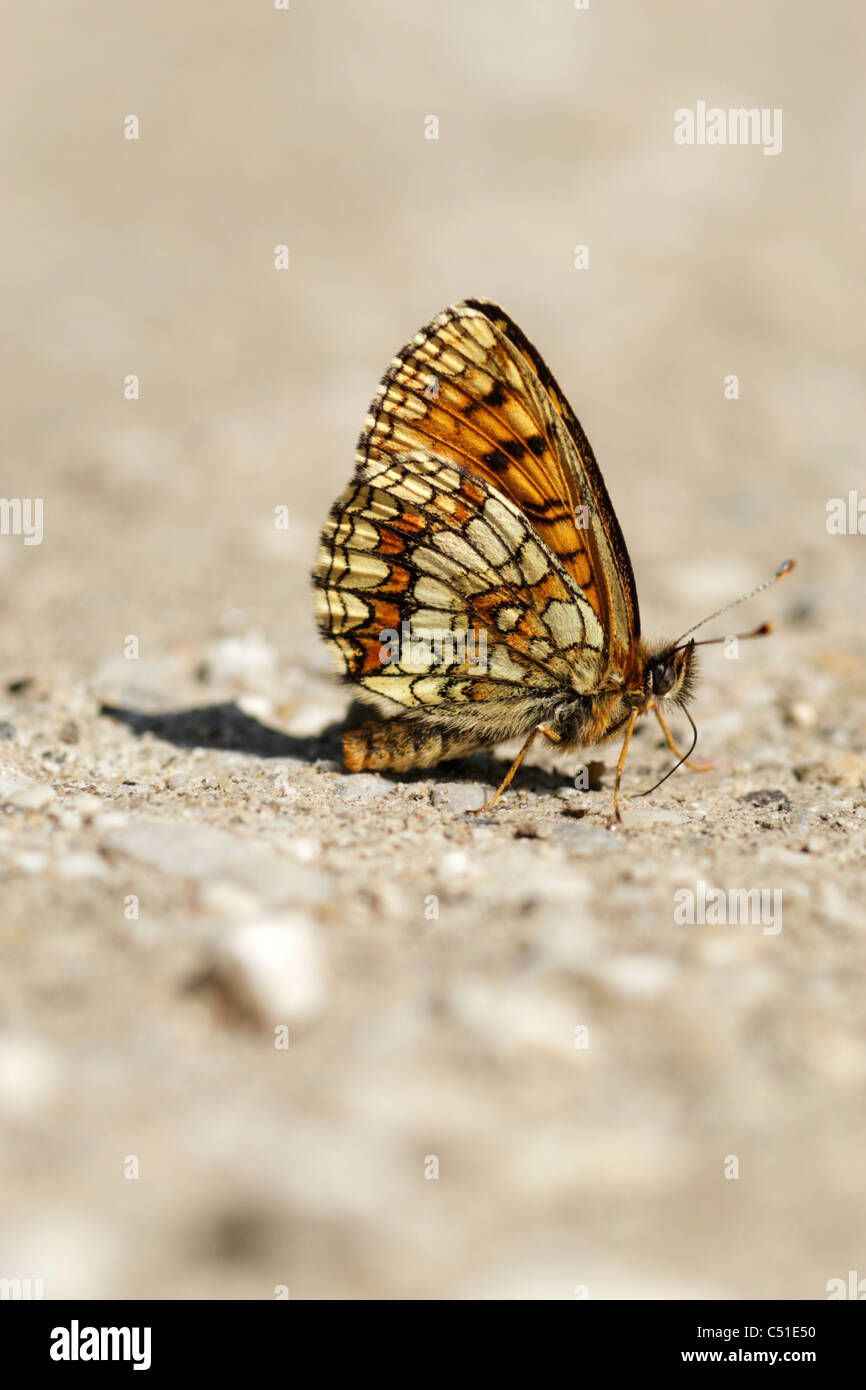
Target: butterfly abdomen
{"type": "Point", "coordinates": [398, 745]}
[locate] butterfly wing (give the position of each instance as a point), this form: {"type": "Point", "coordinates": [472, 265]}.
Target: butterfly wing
{"type": "Point", "coordinates": [417, 539]}
{"type": "Point", "coordinates": [472, 389]}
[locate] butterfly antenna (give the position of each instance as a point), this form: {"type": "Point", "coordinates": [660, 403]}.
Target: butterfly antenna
{"type": "Point", "coordinates": [761, 631]}
{"type": "Point", "coordinates": [681, 761]}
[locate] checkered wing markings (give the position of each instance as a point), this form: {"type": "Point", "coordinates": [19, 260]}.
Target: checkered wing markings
{"type": "Point", "coordinates": [418, 540]}
{"type": "Point", "coordinates": [471, 388]}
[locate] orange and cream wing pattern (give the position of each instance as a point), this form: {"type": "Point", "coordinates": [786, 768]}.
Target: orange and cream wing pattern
{"type": "Point", "coordinates": [417, 539]}
{"type": "Point", "coordinates": [471, 389]}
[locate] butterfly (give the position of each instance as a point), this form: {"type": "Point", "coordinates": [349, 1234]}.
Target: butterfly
{"type": "Point", "coordinates": [472, 580]}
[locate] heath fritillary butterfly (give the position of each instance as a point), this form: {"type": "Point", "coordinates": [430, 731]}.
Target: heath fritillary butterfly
{"type": "Point", "coordinates": [472, 580]}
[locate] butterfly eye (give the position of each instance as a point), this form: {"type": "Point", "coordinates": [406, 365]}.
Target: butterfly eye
{"type": "Point", "coordinates": [663, 677]}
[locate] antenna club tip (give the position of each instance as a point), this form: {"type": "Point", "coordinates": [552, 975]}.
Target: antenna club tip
{"type": "Point", "coordinates": [785, 568]}
{"type": "Point", "coordinates": [764, 630]}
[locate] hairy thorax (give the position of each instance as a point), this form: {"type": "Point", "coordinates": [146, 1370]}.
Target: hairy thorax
{"type": "Point", "coordinates": [589, 719]}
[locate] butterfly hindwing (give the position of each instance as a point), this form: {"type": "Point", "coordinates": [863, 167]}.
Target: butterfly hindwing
{"type": "Point", "coordinates": [417, 540]}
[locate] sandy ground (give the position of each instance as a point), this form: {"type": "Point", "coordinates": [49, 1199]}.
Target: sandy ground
{"type": "Point", "coordinates": [509, 1071]}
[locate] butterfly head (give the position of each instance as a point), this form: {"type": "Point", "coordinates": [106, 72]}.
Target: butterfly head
{"type": "Point", "coordinates": [670, 673]}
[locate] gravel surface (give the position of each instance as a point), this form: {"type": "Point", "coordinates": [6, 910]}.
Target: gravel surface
{"type": "Point", "coordinates": [267, 1025]}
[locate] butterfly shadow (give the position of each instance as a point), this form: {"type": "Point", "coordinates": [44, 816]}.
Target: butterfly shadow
{"type": "Point", "coordinates": [226, 727]}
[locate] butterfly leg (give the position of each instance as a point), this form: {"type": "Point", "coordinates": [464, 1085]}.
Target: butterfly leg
{"type": "Point", "coordinates": [696, 767]}
{"type": "Point", "coordinates": [508, 776]}
{"type": "Point", "coordinates": [621, 764]}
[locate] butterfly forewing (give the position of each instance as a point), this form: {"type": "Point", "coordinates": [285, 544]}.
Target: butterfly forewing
{"type": "Point", "coordinates": [471, 388]}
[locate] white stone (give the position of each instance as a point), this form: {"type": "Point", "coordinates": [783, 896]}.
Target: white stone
{"type": "Point", "coordinates": [30, 861]}
{"type": "Point", "coordinates": [256, 706]}
{"type": "Point", "coordinates": [364, 786]}
{"type": "Point", "coordinates": [34, 798]}
{"type": "Point", "coordinates": [273, 968]}
{"type": "Point", "coordinates": [10, 784]}
{"type": "Point", "coordinates": [246, 658]}
{"type": "Point", "coordinates": [82, 866]}
{"type": "Point", "coordinates": [29, 1075]}
{"type": "Point", "coordinates": [228, 900]}
{"type": "Point", "coordinates": [802, 715]}
{"type": "Point", "coordinates": [461, 796]}
{"type": "Point", "coordinates": [637, 976]}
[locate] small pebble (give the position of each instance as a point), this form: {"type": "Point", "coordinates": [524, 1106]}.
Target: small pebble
{"type": "Point", "coordinates": [256, 706]}
{"type": "Point", "coordinates": [29, 1075]}
{"type": "Point", "coordinates": [9, 784]}
{"type": "Point", "coordinates": [636, 976]}
{"type": "Point", "coordinates": [640, 815]}
{"type": "Point", "coordinates": [33, 798]}
{"type": "Point", "coordinates": [226, 899]}
{"type": "Point", "coordinates": [801, 714]}
{"type": "Point", "coordinates": [364, 786]}
{"type": "Point", "coordinates": [249, 659]}
{"type": "Point", "coordinates": [846, 769]}
{"type": "Point", "coordinates": [455, 863]}
{"type": "Point", "coordinates": [770, 797]}
{"type": "Point", "coordinates": [575, 834]}
{"type": "Point", "coordinates": [528, 830]}
{"type": "Point", "coordinates": [82, 866]}
{"type": "Point", "coordinates": [30, 861]}
{"type": "Point", "coordinates": [305, 850]}
{"type": "Point", "coordinates": [306, 721]}
{"type": "Point", "coordinates": [460, 796]}
{"type": "Point", "coordinates": [273, 969]}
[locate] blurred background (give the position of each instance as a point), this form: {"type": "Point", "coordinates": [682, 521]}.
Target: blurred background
{"type": "Point", "coordinates": [307, 128]}
{"type": "Point", "coordinates": [155, 257]}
